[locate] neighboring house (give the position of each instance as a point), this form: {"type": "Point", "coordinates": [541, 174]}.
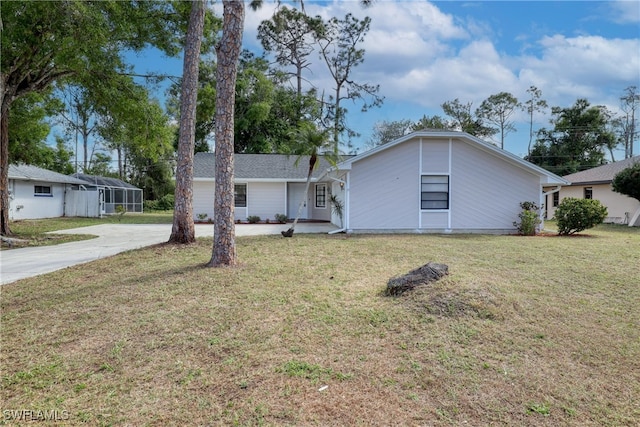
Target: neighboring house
{"type": "Point", "coordinates": [429, 181]}
{"type": "Point", "coordinates": [265, 185]}
{"type": "Point", "coordinates": [437, 182]}
{"type": "Point", "coordinates": [38, 193]}
{"type": "Point", "coordinates": [595, 183]}
{"type": "Point", "coordinates": [110, 193]}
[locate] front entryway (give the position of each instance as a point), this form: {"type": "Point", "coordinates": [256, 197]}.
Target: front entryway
{"type": "Point", "coordinates": [295, 193]}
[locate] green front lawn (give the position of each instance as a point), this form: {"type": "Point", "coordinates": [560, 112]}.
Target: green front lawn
{"type": "Point", "coordinates": [535, 331]}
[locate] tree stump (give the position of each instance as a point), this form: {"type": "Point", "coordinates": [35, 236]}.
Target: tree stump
{"type": "Point", "coordinates": [426, 274]}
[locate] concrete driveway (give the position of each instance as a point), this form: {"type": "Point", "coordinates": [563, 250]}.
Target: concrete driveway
{"type": "Point", "coordinates": [16, 264]}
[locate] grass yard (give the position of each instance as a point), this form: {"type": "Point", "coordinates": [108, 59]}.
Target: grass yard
{"type": "Point", "coordinates": [526, 331]}
{"type": "Point", "coordinates": [35, 231]}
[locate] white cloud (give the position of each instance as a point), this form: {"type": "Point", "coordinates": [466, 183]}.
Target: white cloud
{"type": "Point", "coordinates": [422, 57]}
{"type": "Point", "coordinates": [625, 11]}
{"type": "Point", "coordinates": [583, 67]}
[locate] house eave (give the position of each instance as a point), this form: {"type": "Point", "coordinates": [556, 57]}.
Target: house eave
{"type": "Point", "coordinates": [275, 180]}
{"type": "Point", "coordinates": [575, 184]}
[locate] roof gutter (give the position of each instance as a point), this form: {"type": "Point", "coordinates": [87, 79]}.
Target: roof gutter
{"type": "Point", "coordinates": [555, 190]}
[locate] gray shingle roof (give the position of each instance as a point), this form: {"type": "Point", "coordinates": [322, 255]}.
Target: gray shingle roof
{"type": "Point", "coordinates": [601, 174]}
{"type": "Point", "coordinates": [35, 173]}
{"type": "Point", "coordinates": [260, 166]}
{"type": "Point", "coordinates": [104, 181]}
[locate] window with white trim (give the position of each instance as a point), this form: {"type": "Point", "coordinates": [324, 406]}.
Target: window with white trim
{"type": "Point", "coordinates": [588, 192]}
{"type": "Point", "coordinates": [434, 192]}
{"type": "Point", "coordinates": [42, 191]}
{"type": "Point", "coordinates": [321, 195]}
{"type": "Point", "coordinates": [240, 193]}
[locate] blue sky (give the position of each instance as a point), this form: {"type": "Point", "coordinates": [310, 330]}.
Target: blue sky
{"type": "Point", "coordinates": [425, 53]}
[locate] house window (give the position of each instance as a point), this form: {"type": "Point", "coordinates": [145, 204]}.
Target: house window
{"type": "Point", "coordinates": [588, 192]}
{"type": "Point", "coordinates": [556, 199]}
{"type": "Point", "coordinates": [240, 195]}
{"type": "Point", "coordinates": [434, 192]}
{"type": "Point", "coordinates": [321, 195]}
{"type": "Point", "coordinates": [42, 191]}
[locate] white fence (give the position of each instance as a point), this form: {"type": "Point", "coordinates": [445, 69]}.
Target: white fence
{"type": "Point", "coordinates": [84, 203]}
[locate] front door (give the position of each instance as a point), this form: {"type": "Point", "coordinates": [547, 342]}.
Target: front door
{"type": "Point", "coordinates": [296, 194]}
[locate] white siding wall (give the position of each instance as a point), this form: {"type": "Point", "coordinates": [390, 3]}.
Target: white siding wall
{"type": "Point", "coordinates": [25, 205]}
{"type": "Point", "coordinates": [203, 192]}
{"type": "Point", "coordinates": [435, 161]}
{"type": "Point", "coordinates": [435, 157]}
{"type": "Point", "coordinates": [322, 214]}
{"type": "Point", "coordinates": [486, 192]}
{"type": "Point", "coordinates": [265, 199]}
{"type": "Point", "coordinates": [384, 189]}
{"type": "Point", "coordinates": [617, 204]}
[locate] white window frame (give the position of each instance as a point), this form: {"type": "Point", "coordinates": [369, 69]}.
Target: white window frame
{"type": "Point", "coordinates": [588, 192]}
{"type": "Point", "coordinates": [42, 193]}
{"type": "Point", "coordinates": [435, 186]}
{"type": "Point", "coordinates": [246, 194]}
{"type": "Point", "coordinates": [324, 196]}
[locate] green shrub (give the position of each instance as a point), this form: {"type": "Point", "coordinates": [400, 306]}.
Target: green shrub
{"type": "Point", "coordinates": [627, 182]}
{"type": "Point", "coordinates": [120, 210]}
{"type": "Point", "coordinates": [150, 205]}
{"type": "Point", "coordinates": [529, 219]}
{"type": "Point", "coordinates": [281, 218]}
{"type": "Point", "coordinates": [253, 219]}
{"type": "Point", "coordinates": [166, 202]}
{"type": "Point", "coordinates": [574, 215]}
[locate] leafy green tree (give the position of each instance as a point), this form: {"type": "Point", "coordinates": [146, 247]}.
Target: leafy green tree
{"type": "Point", "coordinates": [254, 100]}
{"type": "Point", "coordinates": [534, 104]}
{"type": "Point", "coordinates": [28, 128]}
{"type": "Point", "coordinates": [101, 166]}
{"type": "Point", "coordinates": [205, 105]}
{"type": "Point", "coordinates": [289, 34]}
{"type": "Point", "coordinates": [498, 109]}
{"type": "Point", "coordinates": [60, 159]}
{"type": "Point", "coordinates": [627, 181]}
{"type": "Point", "coordinates": [84, 42]}
{"type": "Point", "coordinates": [79, 119]}
{"type": "Point", "coordinates": [386, 131]}
{"type": "Point", "coordinates": [462, 119]}
{"type": "Point", "coordinates": [576, 142]}
{"type": "Point", "coordinates": [338, 40]}
{"type": "Point", "coordinates": [155, 179]}
{"type": "Point", "coordinates": [627, 124]}
{"type": "Point", "coordinates": [433, 122]}
{"type": "Point", "coordinates": [574, 215]}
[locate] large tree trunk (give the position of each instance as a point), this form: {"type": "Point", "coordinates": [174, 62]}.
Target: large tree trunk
{"type": "Point", "coordinates": [4, 168]}
{"type": "Point", "coordinates": [183, 230]}
{"type": "Point", "coordinates": [228, 51]}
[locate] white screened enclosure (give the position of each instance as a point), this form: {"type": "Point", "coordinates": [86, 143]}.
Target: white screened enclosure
{"type": "Point", "coordinates": [113, 192]}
